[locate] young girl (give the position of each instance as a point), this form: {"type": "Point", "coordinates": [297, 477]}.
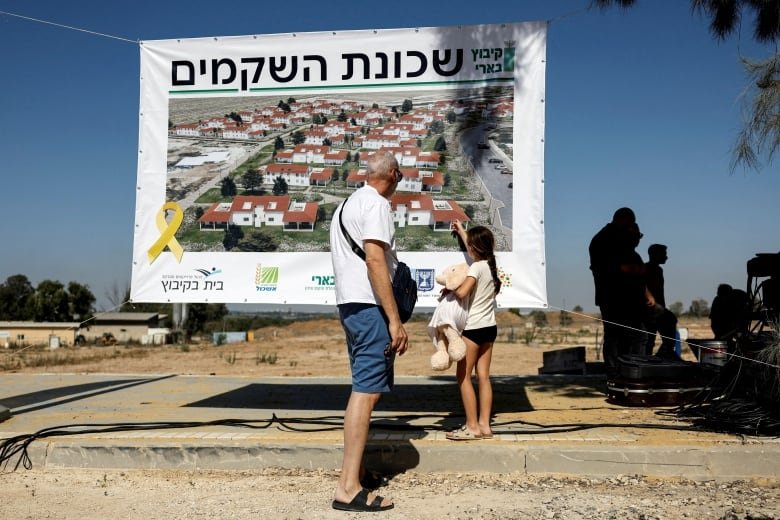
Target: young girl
{"type": "Point", "coordinates": [481, 287]}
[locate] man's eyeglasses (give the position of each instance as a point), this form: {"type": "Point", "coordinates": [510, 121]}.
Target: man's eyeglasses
{"type": "Point", "coordinates": [398, 175]}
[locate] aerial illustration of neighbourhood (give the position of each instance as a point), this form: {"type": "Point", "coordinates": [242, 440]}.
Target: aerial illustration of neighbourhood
{"type": "Point", "coordinates": [266, 173]}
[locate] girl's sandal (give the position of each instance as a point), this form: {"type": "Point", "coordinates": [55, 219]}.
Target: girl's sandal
{"type": "Point", "coordinates": [463, 434]}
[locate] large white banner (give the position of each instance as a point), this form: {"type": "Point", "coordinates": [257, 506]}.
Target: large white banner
{"type": "Point", "coordinates": [248, 144]}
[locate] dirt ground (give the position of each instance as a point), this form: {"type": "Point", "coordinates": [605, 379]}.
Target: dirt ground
{"type": "Point", "coordinates": [316, 348]}
{"type": "Point", "coordinates": [293, 494]}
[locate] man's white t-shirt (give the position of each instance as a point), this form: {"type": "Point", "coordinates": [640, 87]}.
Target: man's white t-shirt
{"type": "Point", "coordinates": [482, 312]}
{"type": "Point", "coordinates": [366, 216]}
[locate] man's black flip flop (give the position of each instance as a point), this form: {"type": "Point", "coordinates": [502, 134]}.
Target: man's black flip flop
{"type": "Point", "coordinates": [360, 503]}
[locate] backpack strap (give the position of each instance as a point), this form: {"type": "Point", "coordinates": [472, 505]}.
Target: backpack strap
{"type": "Point", "coordinates": [355, 248]}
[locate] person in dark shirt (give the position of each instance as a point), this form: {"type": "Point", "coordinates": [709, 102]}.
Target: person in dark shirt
{"type": "Point", "coordinates": [658, 318]}
{"type": "Point", "coordinates": [618, 277]}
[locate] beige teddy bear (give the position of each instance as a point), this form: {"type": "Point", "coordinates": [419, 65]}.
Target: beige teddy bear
{"type": "Point", "coordinates": [449, 319]}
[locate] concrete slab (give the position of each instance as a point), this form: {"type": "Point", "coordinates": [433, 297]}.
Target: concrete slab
{"type": "Point", "coordinates": [542, 425]}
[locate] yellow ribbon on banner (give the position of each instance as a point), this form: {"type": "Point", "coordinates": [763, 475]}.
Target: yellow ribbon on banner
{"type": "Point", "coordinates": [167, 232]}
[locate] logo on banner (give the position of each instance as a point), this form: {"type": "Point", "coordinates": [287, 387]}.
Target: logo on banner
{"type": "Point", "coordinates": [209, 272]}
{"type": "Point", "coordinates": [167, 231]}
{"type": "Point", "coordinates": [266, 278]}
{"type": "Point", "coordinates": [322, 283]}
{"type": "Point", "coordinates": [491, 60]}
{"type": "Point", "coordinates": [192, 283]}
{"type": "Point", "coordinates": [425, 279]}
{"type": "Point", "coordinates": [505, 278]}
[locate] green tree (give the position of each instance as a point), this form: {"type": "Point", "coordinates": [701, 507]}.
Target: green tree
{"type": "Point", "coordinates": [81, 301]}
{"type": "Point", "coordinates": [284, 106]}
{"type": "Point", "coordinates": [676, 308]}
{"type": "Point", "coordinates": [280, 186]}
{"type": "Point", "coordinates": [320, 214]}
{"type": "Point", "coordinates": [577, 308]}
{"type": "Point", "coordinates": [257, 241]}
{"type": "Point", "coordinates": [760, 134]}
{"type": "Point", "coordinates": [49, 302]}
{"type": "Point", "coordinates": [437, 127]}
{"type": "Point", "coordinates": [440, 145]}
{"type": "Point", "coordinates": [227, 187]}
{"type": "Point", "coordinates": [298, 137]}
{"type": "Point", "coordinates": [699, 308]}
{"type": "Point", "coordinates": [407, 106]}
{"type": "Point", "coordinates": [15, 294]}
{"type": "Point", "coordinates": [278, 143]}
{"type": "Point", "coordinates": [539, 317]}
{"type": "Point", "coordinates": [232, 236]}
{"type": "Point", "coordinates": [451, 117]}
{"type": "Point", "coordinates": [235, 117]}
{"type": "Point", "coordinates": [200, 314]}
{"type": "Point", "coordinates": [564, 319]}
{"type": "Point", "coordinates": [251, 180]}
{"type": "Point", "coordinates": [342, 116]}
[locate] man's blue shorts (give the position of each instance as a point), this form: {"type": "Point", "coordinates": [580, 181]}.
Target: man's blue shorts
{"type": "Point", "coordinates": [368, 339]}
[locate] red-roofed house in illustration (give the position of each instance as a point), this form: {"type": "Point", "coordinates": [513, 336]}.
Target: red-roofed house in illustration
{"type": "Point", "coordinates": [262, 210]}
{"type": "Point", "coordinates": [445, 212]}
{"type": "Point", "coordinates": [191, 130]}
{"type": "Point", "coordinates": [376, 139]}
{"type": "Point", "coordinates": [335, 127]}
{"type": "Point", "coordinates": [306, 153]}
{"type": "Point", "coordinates": [443, 105]}
{"type": "Point", "coordinates": [216, 217]}
{"type": "Point", "coordinates": [323, 106]}
{"type": "Point", "coordinates": [356, 178]}
{"type": "Point", "coordinates": [367, 119]}
{"type": "Point", "coordinates": [428, 160]}
{"type": "Point", "coordinates": [259, 210]}
{"type": "Point", "coordinates": [400, 129]}
{"type": "Point", "coordinates": [419, 134]}
{"type": "Point", "coordinates": [321, 176]}
{"type": "Point", "coordinates": [301, 216]}
{"type": "Point", "coordinates": [315, 135]}
{"type": "Point", "coordinates": [293, 174]}
{"type": "Point", "coordinates": [422, 210]}
{"type": "Point", "coordinates": [348, 106]}
{"type": "Point", "coordinates": [432, 181]}
{"type": "Point", "coordinates": [337, 139]}
{"type": "Point", "coordinates": [280, 116]}
{"type": "Point", "coordinates": [335, 158]}
{"type": "Point", "coordinates": [284, 156]}
{"type": "Point", "coordinates": [235, 132]}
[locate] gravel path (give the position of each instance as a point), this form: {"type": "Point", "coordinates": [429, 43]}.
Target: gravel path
{"type": "Point", "coordinates": [88, 494]}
